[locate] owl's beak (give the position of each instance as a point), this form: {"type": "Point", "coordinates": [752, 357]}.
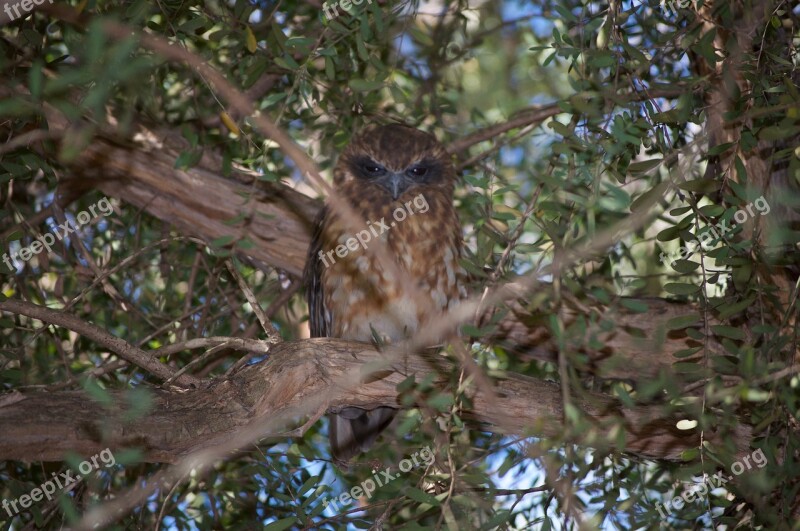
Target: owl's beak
{"type": "Point", "coordinates": [397, 185]}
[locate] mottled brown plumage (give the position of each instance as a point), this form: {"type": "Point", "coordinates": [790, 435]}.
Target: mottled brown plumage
{"type": "Point", "coordinates": [399, 181]}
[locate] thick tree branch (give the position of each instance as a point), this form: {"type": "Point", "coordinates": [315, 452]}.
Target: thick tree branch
{"type": "Point", "coordinates": [299, 377]}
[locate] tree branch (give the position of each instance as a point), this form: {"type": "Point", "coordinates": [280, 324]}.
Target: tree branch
{"type": "Point", "coordinates": [299, 378]}
{"type": "Point", "coordinates": [115, 344]}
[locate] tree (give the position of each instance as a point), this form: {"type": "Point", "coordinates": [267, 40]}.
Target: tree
{"type": "Point", "coordinates": [628, 197]}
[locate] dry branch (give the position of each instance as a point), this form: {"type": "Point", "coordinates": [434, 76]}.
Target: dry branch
{"type": "Point", "coordinates": [119, 346]}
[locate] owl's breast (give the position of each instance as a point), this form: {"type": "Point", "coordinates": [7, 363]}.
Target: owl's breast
{"type": "Point", "coordinates": [363, 295]}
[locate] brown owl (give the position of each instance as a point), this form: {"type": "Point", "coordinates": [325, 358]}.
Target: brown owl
{"type": "Point", "coordinates": [400, 182]}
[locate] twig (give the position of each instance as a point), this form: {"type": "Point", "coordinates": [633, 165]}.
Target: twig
{"type": "Point", "coordinates": [121, 347]}
{"type": "Point", "coordinates": [273, 336]}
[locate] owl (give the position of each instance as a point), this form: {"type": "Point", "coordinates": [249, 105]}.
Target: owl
{"type": "Point", "coordinates": [400, 182]}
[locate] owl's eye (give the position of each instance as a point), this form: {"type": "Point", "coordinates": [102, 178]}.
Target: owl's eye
{"type": "Point", "coordinates": [417, 171]}
{"type": "Point", "coordinates": [373, 169]}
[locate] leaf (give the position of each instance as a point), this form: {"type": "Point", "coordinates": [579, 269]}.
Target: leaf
{"type": "Point", "coordinates": [35, 79]}
{"type": "Point", "coordinates": [272, 99]}
{"type": "Point", "coordinates": [700, 185]}
{"type": "Point", "coordinates": [686, 367]}
{"type": "Point", "coordinates": [643, 166]}
{"type": "Point", "coordinates": [246, 244]}
{"type": "Point", "coordinates": [138, 401]}
{"type": "Point", "coordinates": [441, 401]}
{"type": "Point", "coordinates": [728, 331]}
{"type": "Point", "coordinates": [649, 198]}
{"type": "Point", "coordinates": [362, 85]}
{"type": "Point", "coordinates": [682, 321]}
{"type": "Point", "coordinates": [420, 36]}
{"type": "Point", "coordinates": [223, 241]}
{"type": "Point", "coordinates": [685, 266]}
{"type": "Point", "coordinates": [687, 352]}
{"type": "Point", "coordinates": [229, 123]}
{"type": "Point", "coordinates": [422, 497]}
{"type": "Point", "coordinates": [669, 234]}
{"type": "Point", "coordinates": [330, 71]}
{"type": "Point", "coordinates": [97, 393]}
{"type": "Point", "coordinates": [250, 40]}
{"type": "Point", "coordinates": [361, 48]}
{"type": "Point", "coordinates": [187, 159]}
{"type": "Point", "coordinates": [494, 522]}
{"type": "Point", "coordinates": [719, 149]}
{"type": "Point", "coordinates": [280, 525]}
{"type": "Point", "coordinates": [407, 384]}
{"type": "Point", "coordinates": [635, 305]}
{"type": "Point", "coordinates": [732, 309]}
{"type": "Point", "coordinates": [287, 62]}
{"type": "Point", "coordinates": [712, 210]}
{"type": "Point", "coordinates": [681, 288]}
{"type": "Point", "coordinates": [310, 482]}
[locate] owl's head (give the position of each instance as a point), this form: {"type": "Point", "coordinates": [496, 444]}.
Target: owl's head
{"type": "Point", "coordinates": [396, 159]}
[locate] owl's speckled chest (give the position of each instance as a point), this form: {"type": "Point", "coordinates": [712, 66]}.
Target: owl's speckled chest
{"type": "Point", "coordinates": [422, 238]}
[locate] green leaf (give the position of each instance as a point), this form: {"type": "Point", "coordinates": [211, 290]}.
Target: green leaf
{"type": "Point", "coordinates": [272, 99]}
{"type": "Point", "coordinates": [245, 244]}
{"type": "Point", "coordinates": [712, 210]}
{"type": "Point", "coordinates": [494, 522]}
{"type": "Point", "coordinates": [685, 266]}
{"type": "Point", "coordinates": [330, 71]}
{"type": "Point", "coordinates": [644, 166]}
{"type": "Point", "coordinates": [681, 288]}
{"type": "Point", "coordinates": [422, 497]}
{"type": "Point", "coordinates": [361, 48]}
{"type": "Point", "coordinates": [362, 85]}
{"type": "Point", "coordinates": [441, 401]}
{"type": "Point", "coordinates": [187, 159]}
{"type": "Point", "coordinates": [280, 525]}
{"type": "Point", "coordinates": [310, 482]}
{"type": "Point", "coordinates": [728, 331]}
{"type": "Point", "coordinates": [420, 36]}
{"type": "Point", "coordinates": [719, 149]}
{"type": "Point", "coordinates": [97, 393]}
{"type": "Point", "coordinates": [635, 305]}
{"type": "Point", "coordinates": [407, 384]}
{"type": "Point", "coordinates": [649, 198]}
{"type": "Point", "coordinates": [287, 62]}
{"type": "Point", "coordinates": [223, 241]}
{"type": "Point", "coordinates": [36, 79]}
{"type": "Point", "coordinates": [687, 353]}
{"type": "Point", "coordinates": [732, 309]}
{"type": "Point", "coordinates": [682, 321]}
{"type": "Point", "coordinates": [679, 211]}
{"type": "Point", "coordinates": [699, 185]}
{"type": "Point", "coordinates": [138, 402]}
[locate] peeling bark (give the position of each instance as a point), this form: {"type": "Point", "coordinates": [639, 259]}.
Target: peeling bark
{"type": "Point", "coordinates": [305, 375]}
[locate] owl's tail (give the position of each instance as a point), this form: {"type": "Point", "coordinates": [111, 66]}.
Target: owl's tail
{"type": "Point", "coordinates": [353, 431]}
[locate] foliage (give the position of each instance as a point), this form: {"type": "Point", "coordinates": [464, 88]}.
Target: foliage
{"type": "Point", "coordinates": [662, 116]}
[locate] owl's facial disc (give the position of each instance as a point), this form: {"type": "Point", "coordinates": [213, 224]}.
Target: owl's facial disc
{"type": "Point", "coordinates": [395, 182]}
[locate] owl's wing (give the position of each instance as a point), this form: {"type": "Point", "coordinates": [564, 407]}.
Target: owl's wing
{"type": "Point", "coordinates": [319, 319]}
